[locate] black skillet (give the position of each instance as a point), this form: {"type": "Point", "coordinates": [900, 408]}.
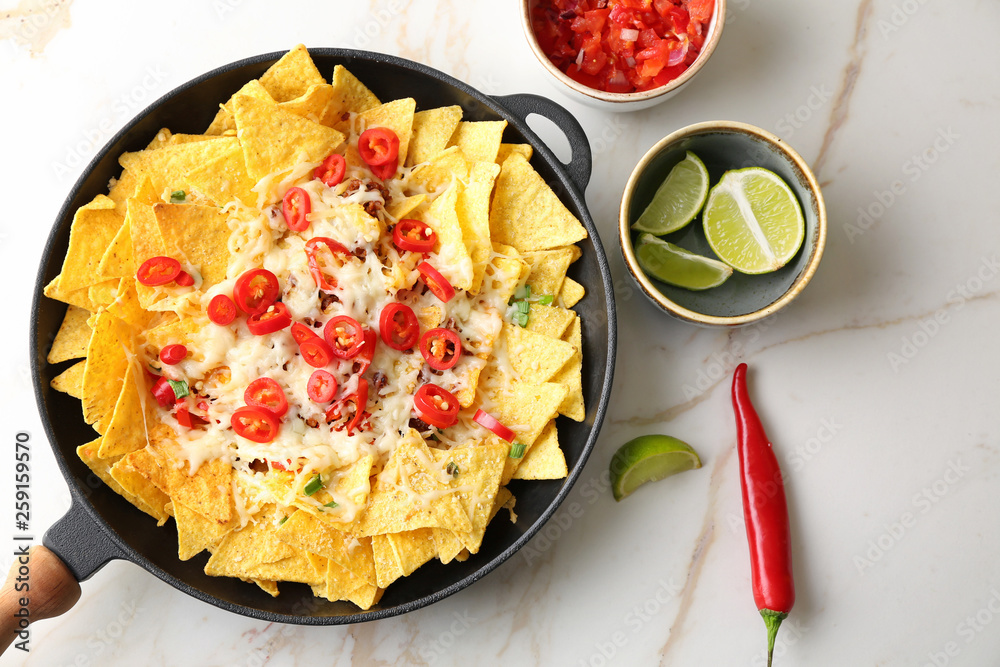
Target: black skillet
{"type": "Point", "coordinates": [101, 526]}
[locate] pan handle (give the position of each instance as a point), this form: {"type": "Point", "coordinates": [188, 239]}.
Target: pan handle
{"type": "Point", "coordinates": [38, 586]}
{"type": "Point", "coordinates": [80, 542]}
{"type": "Point", "coordinates": [523, 105]}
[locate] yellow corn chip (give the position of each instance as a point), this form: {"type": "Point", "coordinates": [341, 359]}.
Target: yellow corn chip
{"type": "Point", "coordinates": [526, 213]}
{"type": "Point", "coordinates": [571, 375]}
{"type": "Point", "coordinates": [93, 230]}
{"type": "Point", "coordinates": [127, 429]}
{"type": "Point", "coordinates": [525, 150]}
{"type": "Point", "coordinates": [571, 293]}
{"type": "Point", "coordinates": [535, 357]}
{"type": "Point", "coordinates": [225, 178]}
{"type": "Point", "coordinates": [304, 531]}
{"type": "Point", "coordinates": [477, 471]}
{"type": "Point", "coordinates": [70, 381]}
{"type": "Point", "coordinates": [167, 168]}
{"type": "Point", "coordinates": [126, 306]}
{"type": "Point", "coordinates": [292, 75]}
{"type": "Point", "coordinates": [548, 270]}
{"type": "Point", "coordinates": [79, 298]}
{"type": "Point", "coordinates": [313, 103]}
{"type": "Point", "coordinates": [412, 549]}
{"type": "Point", "coordinates": [72, 338]}
{"type": "Point", "coordinates": [153, 500]}
{"type": "Point", "coordinates": [350, 96]}
{"type": "Point", "coordinates": [545, 460]}
{"type": "Point", "coordinates": [223, 121]}
{"type": "Point", "coordinates": [440, 171]}
{"type": "Point", "coordinates": [117, 260]}
{"type": "Point", "coordinates": [105, 369]}
{"type": "Point", "coordinates": [274, 140]}
{"type": "Point", "coordinates": [103, 293]}
{"type": "Point", "coordinates": [397, 116]}
{"type": "Point", "coordinates": [479, 141]}
{"type": "Point", "coordinates": [100, 467]}
{"type": "Point", "coordinates": [432, 130]}
{"type": "Point", "coordinates": [473, 210]}
{"type": "Point", "coordinates": [199, 234]}
{"type": "Point", "coordinates": [400, 208]}
{"type": "Point", "coordinates": [387, 568]}
{"type": "Point", "coordinates": [442, 217]}
{"type": "Point", "coordinates": [549, 320]}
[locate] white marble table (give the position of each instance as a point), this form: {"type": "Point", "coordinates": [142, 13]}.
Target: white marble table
{"type": "Point", "coordinates": [879, 386]}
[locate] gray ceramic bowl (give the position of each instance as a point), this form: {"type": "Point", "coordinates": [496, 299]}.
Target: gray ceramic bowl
{"type": "Point", "coordinates": [724, 145]}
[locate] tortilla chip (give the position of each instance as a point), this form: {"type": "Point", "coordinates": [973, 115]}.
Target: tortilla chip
{"type": "Point", "coordinates": [292, 75]}
{"type": "Point", "coordinates": [225, 178]}
{"type": "Point", "coordinates": [548, 270]}
{"type": "Point", "coordinates": [274, 140]}
{"type": "Point", "coordinates": [479, 141]}
{"type": "Point", "coordinates": [527, 408]}
{"type": "Point", "coordinates": [473, 210]}
{"type": "Point", "coordinates": [304, 531]}
{"type": "Point", "coordinates": [571, 293]}
{"type": "Point", "coordinates": [100, 467]}
{"type": "Point", "coordinates": [397, 116]}
{"type": "Point", "coordinates": [153, 501]}
{"type": "Point", "coordinates": [70, 381]}
{"type": "Point", "coordinates": [195, 533]}
{"type": "Point", "coordinates": [94, 228]}
{"type": "Point", "coordinates": [103, 293]}
{"type": "Point", "coordinates": [105, 370]}
{"type": "Point", "coordinates": [313, 103]}
{"type": "Point", "coordinates": [200, 235]}
{"type": "Point", "coordinates": [545, 460]}
{"type": "Point", "coordinates": [571, 375]}
{"type": "Point", "coordinates": [117, 260]}
{"type": "Point", "coordinates": [446, 545]}
{"type": "Point", "coordinates": [549, 320]}
{"type": "Point", "coordinates": [441, 216]}
{"type": "Point", "coordinates": [504, 271]}
{"type": "Point", "coordinates": [208, 491]}
{"type": "Point", "coordinates": [412, 549]}
{"type": "Point", "coordinates": [387, 568]}
{"type": "Point", "coordinates": [440, 171]}
{"type": "Point", "coordinates": [400, 208]}
{"type": "Point", "coordinates": [127, 307]}
{"type": "Point", "coordinates": [477, 471]}
{"type": "Point", "coordinates": [79, 298]}
{"type": "Point", "coordinates": [252, 545]}
{"type": "Point", "coordinates": [350, 96]}
{"type": "Point", "coordinates": [72, 338]}
{"type": "Point", "coordinates": [432, 129]}
{"type": "Point", "coordinates": [269, 587]}
{"type": "Point", "coordinates": [527, 214]}
{"type": "Point", "coordinates": [525, 150]}
{"type": "Point", "coordinates": [126, 432]}
{"type": "Point", "coordinates": [223, 121]}
{"type": "Point", "coordinates": [535, 357]}
{"type": "Point", "coordinates": [167, 168]}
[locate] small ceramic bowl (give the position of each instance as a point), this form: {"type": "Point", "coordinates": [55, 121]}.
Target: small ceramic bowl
{"type": "Point", "coordinates": [724, 145]}
{"type": "Point", "coordinates": [624, 101]}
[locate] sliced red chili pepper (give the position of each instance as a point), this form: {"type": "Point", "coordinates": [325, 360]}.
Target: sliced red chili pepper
{"type": "Point", "coordinates": [765, 513]}
{"type": "Point", "coordinates": [413, 235]}
{"type": "Point", "coordinates": [436, 406]}
{"type": "Point", "coordinates": [163, 392]}
{"type": "Point", "coordinates": [255, 290]}
{"type": "Point", "coordinates": [301, 333]}
{"type": "Point", "coordinates": [398, 326]}
{"type": "Point", "coordinates": [378, 146]}
{"type": "Point", "coordinates": [332, 171]}
{"type": "Point", "coordinates": [184, 279]}
{"type": "Point", "coordinates": [385, 171]}
{"type": "Point", "coordinates": [158, 271]}
{"type": "Point", "coordinates": [296, 206]}
{"type": "Point", "coordinates": [349, 411]}
{"type": "Point", "coordinates": [441, 348]}
{"type": "Point", "coordinates": [266, 393]}
{"type": "Point", "coordinates": [173, 354]}
{"type": "Point", "coordinates": [345, 336]}
{"type": "Point", "coordinates": [367, 353]}
{"type": "Point", "coordinates": [275, 318]}
{"type": "Point", "coordinates": [186, 419]}
{"type": "Point", "coordinates": [437, 283]}
{"type": "Point", "coordinates": [313, 246]}
{"type": "Point", "coordinates": [256, 424]}
{"type": "Point", "coordinates": [316, 352]}
{"type": "Point", "coordinates": [321, 386]}
{"type": "Point", "coordinates": [221, 310]}
{"type": "Point", "coordinates": [490, 423]}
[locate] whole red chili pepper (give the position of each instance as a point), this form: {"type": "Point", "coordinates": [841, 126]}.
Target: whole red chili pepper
{"type": "Point", "coordinates": [765, 513]}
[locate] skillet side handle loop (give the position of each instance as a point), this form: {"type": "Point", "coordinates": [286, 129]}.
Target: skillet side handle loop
{"type": "Point", "coordinates": [581, 162]}
{"type": "Point", "coordinates": [38, 586]}
{"type": "Point", "coordinates": [80, 543]}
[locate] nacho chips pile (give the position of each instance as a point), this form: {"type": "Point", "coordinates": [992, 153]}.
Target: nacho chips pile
{"type": "Point", "coordinates": [345, 510]}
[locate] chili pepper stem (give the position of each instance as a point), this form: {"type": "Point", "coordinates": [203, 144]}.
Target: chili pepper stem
{"type": "Point", "coordinates": [772, 619]}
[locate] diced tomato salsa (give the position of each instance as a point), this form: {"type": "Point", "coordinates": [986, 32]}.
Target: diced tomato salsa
{"type": "Point", "coordinates": [622, 46]}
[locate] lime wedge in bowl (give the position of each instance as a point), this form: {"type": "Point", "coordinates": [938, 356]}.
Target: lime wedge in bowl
{"type": "Point", "coordinates": [674, 265]}
{"type": "Point", "coordinates": [753, 221]}
{"type": "Point", "coordinates": [649, 458]}
{"type": "Point", "coordinates": [678, 199]}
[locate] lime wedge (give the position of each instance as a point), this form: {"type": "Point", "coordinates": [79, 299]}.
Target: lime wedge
{"type": "Point", "coordinates": [753, 221]}
{"type": "Point", "coordinates": [677, 200]}
{"type": "Point", "coordinates": [649, 458]}
{"type": "Point", "coordinates": [676, 266]}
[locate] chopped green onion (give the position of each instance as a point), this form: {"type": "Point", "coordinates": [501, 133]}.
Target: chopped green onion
{"type": "Point", "coordinates": [523, 307]}
{"type": "Point", "coordinates": [283, 520]}
{"type": "Point", "coordinates": [452, 469]}
{"type": "Point", "coordinates": [180, 388]}
{"type": "Point", "coordinates": [517, 450]}
{"type": "Point", "coordinates": [331, 504]}
{"type": "Point", "coordinates": [546, 299]}
{"type": "Point", "coordinates": [177, 196]}
{"type": "Point", "coordinates": [520, 319]}
{"type": "Point", "coordinates": [313, 485]}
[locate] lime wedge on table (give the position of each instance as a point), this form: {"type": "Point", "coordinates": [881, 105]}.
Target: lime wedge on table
{"type": "Point", "coordinates": [649, 458]}
{"type": "Point", "coordinates": [676, 266]}
{"type": "Point", "coordinates": [677, 200]}
{"type": "Point", "coordinates": [753, 221]}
